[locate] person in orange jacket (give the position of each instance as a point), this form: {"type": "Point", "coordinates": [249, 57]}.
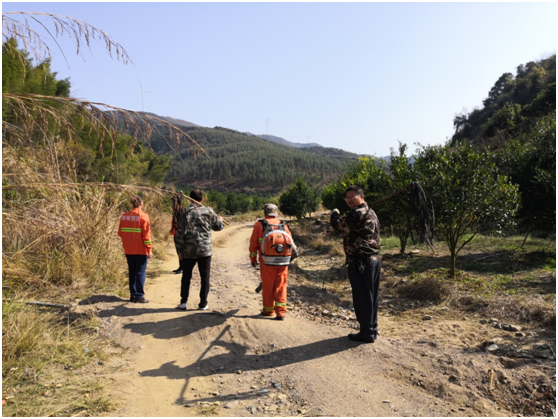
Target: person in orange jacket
{"type": "Point", "coordinates": [135, 231]}
{"type": "Point", "coordinates": [274, 278]}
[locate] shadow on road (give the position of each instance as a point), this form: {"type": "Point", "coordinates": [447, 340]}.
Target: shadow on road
{"type": "Point", "coordinates": [94, 299]}
{"type": "Point", "coordinates": [179, 326]}
{"type": "Point", "coordinates": [237, 359]}
{"type": "Point", "coordinates": [133, 310]}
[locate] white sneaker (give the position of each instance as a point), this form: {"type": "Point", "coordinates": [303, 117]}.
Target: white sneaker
{"type": "Point", "coordinates": [182, 306]}
{"type": "Point", "coordinates": [204, 308]}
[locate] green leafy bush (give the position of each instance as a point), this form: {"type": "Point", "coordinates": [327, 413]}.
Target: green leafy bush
{"type": "Point", "coordinates": [299, 200]}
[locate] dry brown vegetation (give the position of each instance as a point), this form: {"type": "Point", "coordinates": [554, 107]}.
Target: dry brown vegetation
{"type": "Point", "coordinates": [59, 243]}
{"type": "Point", "coordinates": [59, 236]}
{"type": "Point", "coordinates": [53, 235]}
{"type": "Point", "coordinates": [46, 354]}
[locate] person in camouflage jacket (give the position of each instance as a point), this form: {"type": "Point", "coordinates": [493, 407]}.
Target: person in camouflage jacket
{"type": "Point", "coordinates": [361, 242]}
{"type": "Point", "coordinates": [194, 245]}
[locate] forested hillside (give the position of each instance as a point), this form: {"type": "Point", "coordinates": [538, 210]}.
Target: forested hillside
{"type": "Point", "coordinates": [245, 162]}
{"type": "Point", "coordinates": [512, 106]}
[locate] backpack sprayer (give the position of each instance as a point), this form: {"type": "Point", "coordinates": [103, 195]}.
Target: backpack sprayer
{"type": "Point", "coordinates": [277, 248]}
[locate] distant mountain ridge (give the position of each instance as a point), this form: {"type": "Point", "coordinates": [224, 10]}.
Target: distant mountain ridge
{"type": "Point", "coordinates": [280, 140]}
{"type": "Point", "coordinates": [272, 138]}
{"type": "Point", "coordinates": [244, 162]}
{"type": "Point", "coordinates": [174, 121]}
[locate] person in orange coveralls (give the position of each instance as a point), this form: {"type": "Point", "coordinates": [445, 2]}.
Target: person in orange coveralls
{"type": "Point", "coordinates": [274, 278]}
{"type": "Point", "coordinates": [135, 232]}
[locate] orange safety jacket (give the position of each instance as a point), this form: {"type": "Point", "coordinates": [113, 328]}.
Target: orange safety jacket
{"type": "Point", "coordinates": [135, 232]}
{"type": "Point", "coordinates": [257, 237]}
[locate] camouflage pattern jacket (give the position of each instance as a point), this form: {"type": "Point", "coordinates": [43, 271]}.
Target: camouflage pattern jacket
{"type": "Point", "coordinates": [193, 240]}
{"type": "Point", "coordinates": [361, 233]}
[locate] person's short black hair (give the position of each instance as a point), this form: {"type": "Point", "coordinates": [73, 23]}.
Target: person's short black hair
{"type": "Point", "coordinates": [196, 194]}
{"type": "Point", "coordinates": [356, 189]}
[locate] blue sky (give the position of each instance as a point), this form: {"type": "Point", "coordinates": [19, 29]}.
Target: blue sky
{"type": "Point", "coordinates": [355, 76]}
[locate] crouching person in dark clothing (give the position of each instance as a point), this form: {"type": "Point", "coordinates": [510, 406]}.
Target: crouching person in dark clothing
{"type": "Point", "coordinates": [361, 242]}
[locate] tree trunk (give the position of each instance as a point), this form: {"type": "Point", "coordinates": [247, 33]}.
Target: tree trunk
{"type": "Point", "coordinates": [403, 242]}
{"type": "Point", "coordinates": [453, 258]}
{"type": "Point", "coordinates": [526, 235]}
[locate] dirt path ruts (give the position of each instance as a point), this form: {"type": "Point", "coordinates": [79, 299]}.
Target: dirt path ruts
{"type": "Point", "coordinates": [231, 362]}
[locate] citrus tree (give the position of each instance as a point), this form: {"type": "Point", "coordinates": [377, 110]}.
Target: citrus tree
{"type": "Point", "coordinates": [299, 200]}
{"type": "Point", "coordinates": [379, 179]}
{"type": "Point", "coordinates": [468, 193]}
{"type": "Point", "coordinates": [531, 163]}
{"type": "Point", "coordinates": [358, 173]}
{"type": "Point", "coordinates": [396, 212]}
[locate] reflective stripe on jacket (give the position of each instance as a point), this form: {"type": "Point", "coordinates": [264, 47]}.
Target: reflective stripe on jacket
{"type": "Point", "coordinates": [135, 231]}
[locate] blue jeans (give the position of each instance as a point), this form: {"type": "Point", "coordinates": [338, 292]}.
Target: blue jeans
{"type": "Point", "coordinates": [137, 264]}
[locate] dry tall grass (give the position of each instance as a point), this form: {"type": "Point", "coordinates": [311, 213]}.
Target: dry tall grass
{"type": "Point", "coordinates": [312, 236]}
{"type": "Point", "coordinates": [58, 236]}
{"type": "Point", "coordinates": [64, 236]}
{"type": "Point", "coordinates": [62, 232]}
{"type": "Point", "coordinates": [37, 345]}
{"type": "Point", "coordinates": [427, 289]}
{"type": "Point", "coordinates": [33, 336]}
{"type": "Point", "coordinates": [58, 233]}
{"type": "Point", "coordinates": [59, 241]}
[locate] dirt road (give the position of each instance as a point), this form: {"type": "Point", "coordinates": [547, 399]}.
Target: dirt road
{"type": "Point", "coordinates": [229, 361]}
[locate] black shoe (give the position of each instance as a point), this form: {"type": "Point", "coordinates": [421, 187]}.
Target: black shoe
{"type": "Point", "coordinates": [177, 271]}
{"type": "Point", "coordinates": [259, 289]}
{"type": "Point", "coordinates": [281, 318]}
{"type": "Point", "coordinates": [140, 300]}
{"type": "Point", "coordinates": [132, 300]}
{"type": "Point", "coordinates": [357, 337]}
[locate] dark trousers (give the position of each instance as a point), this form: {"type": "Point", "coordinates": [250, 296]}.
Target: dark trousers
{"type": "Point", "coordinates": [204, 267]}
{"type": "Point", "coordinates": [137, 264]}
{"type": "Point", "coordinates": [365, 283]}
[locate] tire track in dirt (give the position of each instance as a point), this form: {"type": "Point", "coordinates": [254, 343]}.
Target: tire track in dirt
{"type": "Point", "coordinates": [232, 362]}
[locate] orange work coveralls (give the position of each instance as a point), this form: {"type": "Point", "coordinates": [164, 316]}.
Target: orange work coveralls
{"type": "Point", "coordinates": [274, 278]}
